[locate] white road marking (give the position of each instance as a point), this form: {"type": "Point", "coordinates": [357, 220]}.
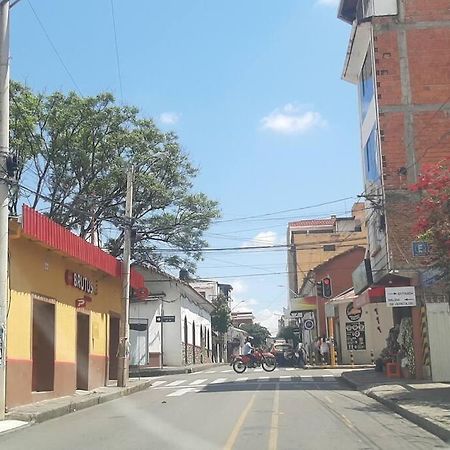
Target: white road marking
{"type": "Point", "coordinates": [158, 383]}
{"type": "Point", "coordinates": [181, 392]}
{"type": "Point", "coordinates": [241, 379]}
{"type": "Point", "coordinates": [258, 370]}
{"type": "Point", "coordinates": [306, 378]}
{"type": "Point", "coordinates": [176, 383]}
{"type": "Point", "coordinates": [209, 371]}
{"type": "Point", "coordinates": [219, 380]}
{"type": "Point", "coordinates": [196, 382]}
{"type": "Point", "coordinates": [229, 370]}
{"type": "Point", "coordinates": [263, 378]}
{"type": "Point", "coordinates": [290, 368]}
{"type": "Point", "coordinates": [284, 377]}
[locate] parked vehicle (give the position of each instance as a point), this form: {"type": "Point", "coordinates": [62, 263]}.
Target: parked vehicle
{"type": "Point", "coordinates": [266, 360]}
{"type": "Point", "coordinates": [283, 352]}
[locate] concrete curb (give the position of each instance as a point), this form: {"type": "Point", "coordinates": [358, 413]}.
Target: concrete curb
{"type": "Point", "coordinates": [77, 405]}
{"type": "Point", "coordinates": [432, 427]}
{"type": "Point", "coordinates": [155, 372]}
{"type": "Point", "coordinates": [342, 366]}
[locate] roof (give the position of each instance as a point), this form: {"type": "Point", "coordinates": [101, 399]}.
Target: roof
{"type": "Point", "coordinates": [38, 227]}
{"type": "Point", "coordinates": [345, 297]}
{"type": "Point", "coordinates": [313, 223]}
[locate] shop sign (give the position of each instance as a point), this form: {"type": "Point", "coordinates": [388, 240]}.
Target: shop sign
{"type": "Point", "coordinates": [355, 333]}
{"type": "Point", "coordinates": [353, 313]}
{"type": "Point", "coordinates": [400, 296]}
{"type": "Point", "coordinates": [80, 282]}
{"type": "Point", "coordinates": [362, 277]}
{"type": "Point", "coordinates": [420, 248]}
{"type": "Point", "coordinates": [82, 302]}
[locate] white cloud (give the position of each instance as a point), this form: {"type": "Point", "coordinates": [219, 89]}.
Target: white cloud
{"type": "Point", "coordinates": [328, 2]}
{"type": "Point", "coordinates": [268, 319]}
{"type": "Point", "coordinates": [292, 119]}
{"type": "Point", "coordinates": [245, 305]}
{"type": "Point", "coordinates": [239, 287]}
{"type": "Point", "coordinates": [263, 238]}
{"type": "Point", "coordinates": [169, 118]}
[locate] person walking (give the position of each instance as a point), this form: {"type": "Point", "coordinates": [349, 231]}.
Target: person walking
{"type": "Point", "coordinates": [324, 351]}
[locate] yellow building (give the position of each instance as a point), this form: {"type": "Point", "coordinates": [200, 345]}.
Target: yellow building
{"type": "Point", "coordinates": [314, 241]}
{"type": "Point", "coordinates": [63, 312]}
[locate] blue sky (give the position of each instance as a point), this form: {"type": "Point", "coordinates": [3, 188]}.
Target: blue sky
{"type": "Point", "coordinates": [253, 90]}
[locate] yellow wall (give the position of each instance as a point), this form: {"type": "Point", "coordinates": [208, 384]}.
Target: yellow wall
{"type": "Point", "coordinates": [312, 253]}
{"type": "Point", "coordinates": [37, 271]}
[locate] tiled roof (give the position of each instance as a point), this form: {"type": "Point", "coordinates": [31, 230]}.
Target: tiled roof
{"type": "Point", "coordinates": [313, 223]}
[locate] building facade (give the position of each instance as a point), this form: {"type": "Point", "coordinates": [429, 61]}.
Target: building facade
{"type": "Point", "coordinates": [185, 338]}
{"type": "Point", "coordinates": [398, 57]}
{"type": "Point", "coordinates": [314, 241]}
{"type": "Point", "coordinates": [64, 312]}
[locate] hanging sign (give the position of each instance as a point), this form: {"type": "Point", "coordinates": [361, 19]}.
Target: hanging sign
{"type": "Point", "coordinates": [353, 313]}
{"type": "Point", "coordinates": [308, 324]}
{"type": "Point", "coordinates": [80, 282]}
{"type": "Point", "coordinates": [400, 296]}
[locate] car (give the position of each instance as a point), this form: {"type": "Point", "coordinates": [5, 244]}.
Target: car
{"type": "Point", "coordinates": [282, 352]}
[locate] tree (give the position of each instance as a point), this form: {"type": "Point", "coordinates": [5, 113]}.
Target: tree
{"type": "Point", "coordinates": [259, 333]}
{"type": "Point", "coordinates": [433, 223]}
{"type": "Point", "coordinates": [287, 333]}
{"type": "Point", "coordinates": [73, 156]}
{"type": "Point", "coordinates": [221, 316]}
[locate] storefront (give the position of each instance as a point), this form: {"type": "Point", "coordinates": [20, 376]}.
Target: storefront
{"type": "Point", "coordinates": [359, 330]}
{"type": "Point", "coordinates": [63, 316]}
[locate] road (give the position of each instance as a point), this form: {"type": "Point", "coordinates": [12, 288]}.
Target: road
{"type": "Point", "coordinates": [218, 409]}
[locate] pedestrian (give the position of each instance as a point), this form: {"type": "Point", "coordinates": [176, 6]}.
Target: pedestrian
{"type": "Point", "coordinates": [324, 350]}
{"type": "Point", "coordinates": [301, 355]}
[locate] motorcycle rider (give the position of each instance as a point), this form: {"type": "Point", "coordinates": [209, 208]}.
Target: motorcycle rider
{"type": "Point", "coordinates": [248, 350]}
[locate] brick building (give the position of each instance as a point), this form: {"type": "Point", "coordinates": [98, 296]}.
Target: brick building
{"type": "Point", "coordinates": [399, 57]}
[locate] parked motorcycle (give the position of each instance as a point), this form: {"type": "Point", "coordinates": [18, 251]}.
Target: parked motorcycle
{"type": "Point", "coordinates": [265, 360]}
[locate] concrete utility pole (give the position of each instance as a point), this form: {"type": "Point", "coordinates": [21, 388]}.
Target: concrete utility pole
{"type": "Point", "coordinates": [123, 366]}
{"type": "Point", "coordinates": [4, 200]}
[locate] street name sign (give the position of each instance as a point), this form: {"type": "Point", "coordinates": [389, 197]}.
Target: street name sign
{"type": "Point", "coordinates": [160, 319]}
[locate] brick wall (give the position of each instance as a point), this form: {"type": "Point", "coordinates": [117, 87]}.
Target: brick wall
{"type": "Point", "coordinates": [412, 67]}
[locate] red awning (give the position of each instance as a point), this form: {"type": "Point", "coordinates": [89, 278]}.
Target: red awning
{"type": "Point", "coordinates": [41, 228]}
{"type": "Point", "coordinates": [374, 294]}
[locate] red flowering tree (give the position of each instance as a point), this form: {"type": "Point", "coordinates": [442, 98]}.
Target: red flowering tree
{"type": "Point", "coordinates": [433, 222]}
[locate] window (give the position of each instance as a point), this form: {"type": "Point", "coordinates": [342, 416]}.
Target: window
{"type": "Point", "coordinates": [202, 293]}
{"type": "Point", "coordinates": [371, 158]}
{"type": "Point", "coordinates": [366, 86]}
{"type": "Point", "coordinates": [329, 248]}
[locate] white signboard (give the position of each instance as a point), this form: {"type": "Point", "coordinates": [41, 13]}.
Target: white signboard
{"type": "Point", "coordinates": [401, 296]}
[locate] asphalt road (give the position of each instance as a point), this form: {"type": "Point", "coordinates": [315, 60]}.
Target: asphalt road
{"type": "Point", "coordinates": [218, 409]}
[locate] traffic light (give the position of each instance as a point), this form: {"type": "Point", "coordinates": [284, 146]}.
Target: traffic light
{"type": "Point", "coordinates": [319, 286]}
{"type": "Point", "coordinates": [326, 285]}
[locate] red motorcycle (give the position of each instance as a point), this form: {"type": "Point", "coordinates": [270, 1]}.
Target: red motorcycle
{"type": "Point", "coordinates": [265, 360]}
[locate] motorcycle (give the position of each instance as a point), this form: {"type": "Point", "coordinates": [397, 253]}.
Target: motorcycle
{"type": "Point", "coordinates": [265, 360]}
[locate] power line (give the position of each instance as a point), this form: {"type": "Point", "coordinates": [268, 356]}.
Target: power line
{"type": "Point", "coordinates": [54, 47]}
{"type": "Point", "coordinates": [116, 46]}
{"type": "Point", "coordinates": [283, 211]}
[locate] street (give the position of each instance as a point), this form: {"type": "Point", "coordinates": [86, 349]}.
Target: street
{"type": "Point", "coordinates": [218, 409]}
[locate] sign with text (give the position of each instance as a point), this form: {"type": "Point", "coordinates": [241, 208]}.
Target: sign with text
{"type": "Point", "coordinates": [420, 248]}
{"type": "Point", "coordinates": [160, 319]}
{"type": "Point", "coordinates": [80, 282]}
{"type": "Point", "coordinates": [400, 296]}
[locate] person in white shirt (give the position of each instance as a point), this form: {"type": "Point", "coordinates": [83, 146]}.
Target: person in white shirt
{"type": "Point", "coordinates": [248, 349]}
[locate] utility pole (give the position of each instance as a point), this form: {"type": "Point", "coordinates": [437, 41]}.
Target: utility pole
{"type": "Point", "coordinates": [162, 333]}
{"type": "Point", "coordinates": [4, 200]}
{"type": "Point", "coordinates": [123, 366]}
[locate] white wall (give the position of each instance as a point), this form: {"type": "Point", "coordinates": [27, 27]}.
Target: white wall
{"type": "Point", "coordinates": [210, 288]}
{"type": "Point", "coordinates": [194, 313]}
{"type": "Point", "coordinates": [375, 340]}
{"type": "Point", "coordinates": [438, 317]}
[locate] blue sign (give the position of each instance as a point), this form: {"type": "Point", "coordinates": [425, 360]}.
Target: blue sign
{"type": "Point", "coordinates": [420, 248]}
{"type": "Point", "coordinates": [432, 276]}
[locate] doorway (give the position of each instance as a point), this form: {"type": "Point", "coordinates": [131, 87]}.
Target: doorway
{"type": "Point", "coordinates": [82, 351]}
{"type": "Point", "coordinates": [114, 327]}
{"type": "Point", "coordinates": [43, 369]}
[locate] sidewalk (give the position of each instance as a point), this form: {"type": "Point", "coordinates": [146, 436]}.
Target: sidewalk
{"type": "Point", "coordinates": [424, 403]}
{"type": "Point", "coordinates": [50, 409]}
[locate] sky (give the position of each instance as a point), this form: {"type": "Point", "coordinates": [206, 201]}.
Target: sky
{"type": "Point", "coordinates": [254, 91]}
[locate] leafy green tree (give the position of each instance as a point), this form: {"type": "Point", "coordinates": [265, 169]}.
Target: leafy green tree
{"type": "Point", "coordinates": [221, 316]}
{"type": "Point", "coordinates": [287, 333]}
{"type": "Point", "coordinates": [259, 333]}
{"type": "Point", "coordinates": [73, 156]}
